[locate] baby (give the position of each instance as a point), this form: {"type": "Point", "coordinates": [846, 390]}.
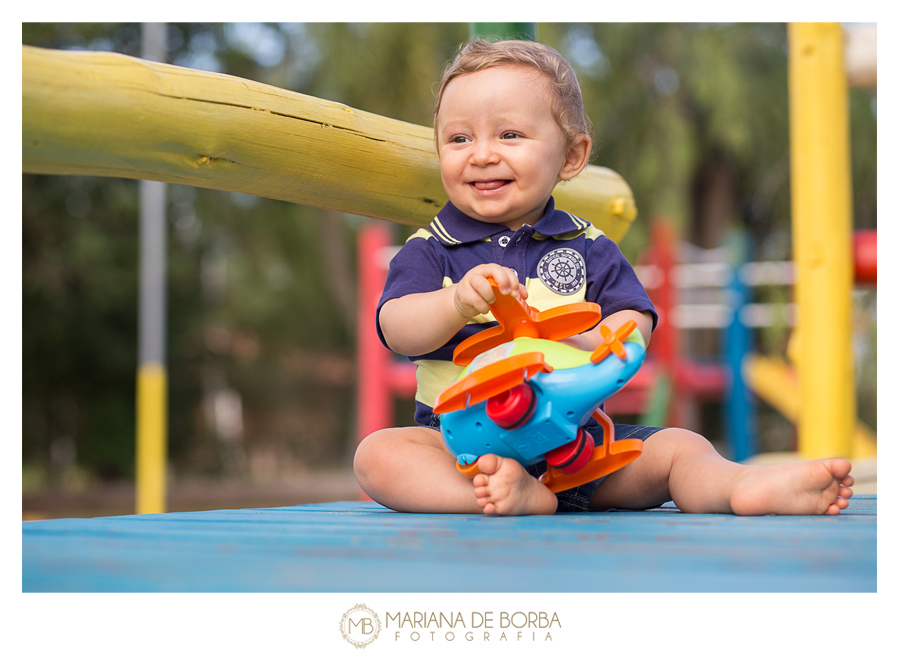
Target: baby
{"type": "Point", "coordinates": [509, 126]}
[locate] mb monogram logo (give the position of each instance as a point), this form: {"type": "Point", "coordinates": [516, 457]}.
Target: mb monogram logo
{"type": "Point", "coordinates": [360, 626]}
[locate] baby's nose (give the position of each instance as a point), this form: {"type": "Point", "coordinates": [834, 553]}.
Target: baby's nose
{"type": "Point", "coordinates": [484, 153]}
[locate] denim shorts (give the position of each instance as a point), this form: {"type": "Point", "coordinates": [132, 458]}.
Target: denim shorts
{"type": "Point", "coordinates": [579, 498]}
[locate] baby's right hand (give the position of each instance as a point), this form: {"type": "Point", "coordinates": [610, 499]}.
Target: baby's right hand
{"type": "Point", "coordinates": [473, 294]}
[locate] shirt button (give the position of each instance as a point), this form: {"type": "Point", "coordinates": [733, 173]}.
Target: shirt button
{"type": "Point", "coordinates": [504, 240]}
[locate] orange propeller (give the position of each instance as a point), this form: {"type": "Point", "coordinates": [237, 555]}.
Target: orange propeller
{"type": "Point", "coordinates": [612, 341]}
{"type": "Point", "coordinates": [517, 320]}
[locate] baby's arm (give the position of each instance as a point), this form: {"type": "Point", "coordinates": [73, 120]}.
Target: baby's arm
{"type": "Point", "coordinates": [591, 340]}
{"type": "Point", "coordinates": [422, 322]}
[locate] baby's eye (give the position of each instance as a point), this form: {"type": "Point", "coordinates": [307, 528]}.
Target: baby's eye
{"type": "Point", "coordinates": [459, 139]}
{"type": "Point", "coordinates": [509, 134]}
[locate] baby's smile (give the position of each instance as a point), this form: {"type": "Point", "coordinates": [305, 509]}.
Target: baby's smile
{"type": "Point", "coordinates": [490, 185]}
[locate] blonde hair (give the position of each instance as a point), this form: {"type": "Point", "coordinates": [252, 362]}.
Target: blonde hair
{"type": "Point", "coordinates": [566, 104]}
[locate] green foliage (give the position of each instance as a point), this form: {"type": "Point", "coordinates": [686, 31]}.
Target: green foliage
{"type": "Point", "coordinates": [665, 97]}
{"type": "Point", "coordinates": [78, 299]}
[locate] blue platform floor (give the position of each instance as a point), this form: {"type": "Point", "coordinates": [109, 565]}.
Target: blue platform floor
{"type": "Point", "coordinates": [364, 547]}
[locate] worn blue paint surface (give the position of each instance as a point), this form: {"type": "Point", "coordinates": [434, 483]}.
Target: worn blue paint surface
{"type": "Point", "coordinates": [363, 547]}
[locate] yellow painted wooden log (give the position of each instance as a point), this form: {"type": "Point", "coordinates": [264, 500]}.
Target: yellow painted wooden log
{"type": "Point", "coordinates": [105, 114]}
{"type": "Point", "coordinates": [822, 237]}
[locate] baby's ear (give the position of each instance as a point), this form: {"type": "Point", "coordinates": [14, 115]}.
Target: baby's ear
{"type": "Point", "coordinates": [576, 158]}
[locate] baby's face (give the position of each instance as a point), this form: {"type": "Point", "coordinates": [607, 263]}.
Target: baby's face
{"type": "Point", "coordinates": [501, 150]}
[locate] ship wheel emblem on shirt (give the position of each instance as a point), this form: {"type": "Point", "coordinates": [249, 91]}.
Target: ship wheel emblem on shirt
{"type": "Point", "coordinates": [562, 270]}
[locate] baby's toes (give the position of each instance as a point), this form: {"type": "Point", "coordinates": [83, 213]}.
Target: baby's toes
{"type": "Point", "coordinates": [489, 464]}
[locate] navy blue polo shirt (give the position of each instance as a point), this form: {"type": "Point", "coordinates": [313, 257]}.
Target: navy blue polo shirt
{"type": "Point", "coordinates": [562, 259]}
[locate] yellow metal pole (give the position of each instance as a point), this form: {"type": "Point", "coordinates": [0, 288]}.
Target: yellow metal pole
{"type": "Point", "coordinates": [151, 439]}
{"type": "Point", "coordinates": [822, 241]}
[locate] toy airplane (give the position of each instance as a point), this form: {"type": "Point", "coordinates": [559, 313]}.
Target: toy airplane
{"type": "Point", "coordinates": [525, 396]}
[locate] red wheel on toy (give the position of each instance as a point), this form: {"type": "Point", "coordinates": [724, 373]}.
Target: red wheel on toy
{"type": "Point", "coordinates": [571, 457]}
{"type": "Point", "coordinates": [512, 408]}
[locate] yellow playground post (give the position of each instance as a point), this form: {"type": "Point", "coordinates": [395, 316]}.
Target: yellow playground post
{"type": "Point", "coordinates": [150, 476]}
{"type": "Point", "coordinates": [822, 238]}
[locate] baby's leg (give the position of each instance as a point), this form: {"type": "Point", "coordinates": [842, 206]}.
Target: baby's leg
{"type": "Point", "coordinates": [409, 470]}
{"type": "Point", "coordinates": [682, 466]}
{"type": "Point", "coordinates": [821, 486]}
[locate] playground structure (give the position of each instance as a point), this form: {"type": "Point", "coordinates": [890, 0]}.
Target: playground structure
{"type": "Point", "coordinates": [822, 224]}
{"type": "Point", "coordinates": [739, 376]}
{"type": "Point", "coordinates": [118, 111]}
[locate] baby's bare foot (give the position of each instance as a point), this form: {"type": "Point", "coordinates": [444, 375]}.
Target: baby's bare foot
{"type": "Point", "coordinates": [811, 487]}
{"type": "Point", "coordinates": [503, 487]}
